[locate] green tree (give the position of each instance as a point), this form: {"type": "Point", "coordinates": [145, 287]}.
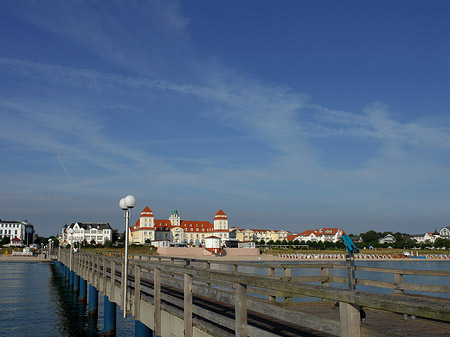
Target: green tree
{"type": "Point", "coordinates": [92, 242]}
{"type": "Point", "coordinates": [115, 235]}
{"type": "Point", "coordinates": [370, 236]}
{"type": "Point", "coordinates": [5, 240]}
{"type": "Point", "coordinates": [107, 243]}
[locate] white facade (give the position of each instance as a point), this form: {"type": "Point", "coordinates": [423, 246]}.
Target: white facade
{"type": "Point", "coordinates": [24, 231]}
{"type": "Point", "coordinates": [445, 233]}
{"type": "Point", "coordinates": [387, 239]}
{"type": "Point", "coordinates": [99, 232]}
{"type": "Point", "coordinates": [177, 231]}
{"type": "Point", "coordinates": [323, 235]}
{"type": "Point", "coordinates": [427, 237]}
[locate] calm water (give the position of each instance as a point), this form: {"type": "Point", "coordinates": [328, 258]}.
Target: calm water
{"type": "Point", "coordinates": [35, 301]}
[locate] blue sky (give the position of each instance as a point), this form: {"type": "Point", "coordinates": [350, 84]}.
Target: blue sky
{"type": "Point", "coordinates": [285, 114]}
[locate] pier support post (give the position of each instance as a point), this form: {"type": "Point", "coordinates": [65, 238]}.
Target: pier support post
{"type": "Point", "coordinates": [240, 310]}
{"type": "Point", "coordinates": [66, 273]}
{"type": "Point", "coordinates": [110, 318]}
{"type": "Point", "coordinates": [350, 320]}
{"type": "Point", "coordinates": [83, 290]}
{"type": "Point", "coordinates": [76, 283]}
{"type": "Point", "coordinates": [70, 278]}
{"type": "Point", "coordinates": [141, 330]}
{"type": "Point", "coordinates": [93, 301]}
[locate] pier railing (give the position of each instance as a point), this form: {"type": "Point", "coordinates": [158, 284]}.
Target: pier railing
{"type": "Point", "coordinates": [248, 299]}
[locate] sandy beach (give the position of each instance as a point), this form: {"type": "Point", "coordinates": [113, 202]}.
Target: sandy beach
{"type": "Point", "coordinates": [273, 258]}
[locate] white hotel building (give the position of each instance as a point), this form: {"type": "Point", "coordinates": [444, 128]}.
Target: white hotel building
{"type": "Point", "coordinates": [21, 232]}
{"type": "Point", "coordinates": [97, 231]}
{"type": "Point", "coordinates": [177, 231]}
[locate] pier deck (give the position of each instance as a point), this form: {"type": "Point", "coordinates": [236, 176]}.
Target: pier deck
{"type": "Point", "coordinates": [185, 297]}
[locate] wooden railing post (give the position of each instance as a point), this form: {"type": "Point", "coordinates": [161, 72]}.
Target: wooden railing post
{"type": "Point", "coordinates": [287, 273]}
{"type": "Point", "coordinates": [398, 279]}
{"type": "Point", "coordinates": [104, 275]}
{"type": "Point", "coordinates": [350, 320]}
{"type": "Point", "coordinates": [97, 281]}
{"type": "Point", "coordinates": [122, 286]}
{"type": "Point", "coordinates": [113, 280]}
{"type": "Point", "coordinates": [271, 272]}
{"type": "Point", "coordinates": [91, 270]}
{"type": "Point", "coordinates": [187, 305]}
{"type": "Point", "coordinates": [240, 309]}
{"type": "Point", "coordinates": [325, 275]}
{"type": "Point", "coordinates": [157, 300]}
{"type": "Point", "coordinates": [208, 268]}
{"type": "Point", "coordinates": [137, 292]}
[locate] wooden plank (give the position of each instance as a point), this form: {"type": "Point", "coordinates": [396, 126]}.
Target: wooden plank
{"type": "Point", "coordinates": [157, 301]}
{"type": "Point", "coordinates": [113, 280]}
{"type": "Point", "coordinates": [240, 309]}
{"type": "Point", "coordinates": [137, 292]}
{"type": "Point", "coordinates": [350, 319]}
{"type": "Point", "coordinates": [187, 305]}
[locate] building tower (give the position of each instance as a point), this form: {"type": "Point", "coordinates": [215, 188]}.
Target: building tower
{"type": "Point", "coordinates": [220, 221]}
{"type": "Point", "coordinates": [175, 218]}
{"type": "Point", "coordinates": [147, 219]}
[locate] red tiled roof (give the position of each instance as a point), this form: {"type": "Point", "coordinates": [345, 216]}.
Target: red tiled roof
{"type": "Point", "coordinates": [16, 239]}
{"type": "Point", "coordinates": [291, 237]}
{"type": "Point", "coordinates": [220, 212]}
{"type": "Point", "coordinates": [147, 210]}
{"type": "Point", "coordinates": [220, 215]}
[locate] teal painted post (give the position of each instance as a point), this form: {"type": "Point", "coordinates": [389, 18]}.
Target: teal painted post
{"type": "Point", "coordinates": [110, 318]}
{"type": "Point", "coordinates": [71, 278]}
{"type": "Point", "coordinates": [76, 283]}
{"type": "Point", "coordinates": [83, 290]}
{"type": "Point", "coordinates": [93, 300]}
{"type": "Point", "coordinates": [66, 272]}
{"type": "Point", "coordinates": [141, 330]}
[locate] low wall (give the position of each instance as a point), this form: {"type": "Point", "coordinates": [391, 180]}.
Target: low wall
{"type": "Point", "coordinates": [242, 251]}
{"type": "Point", "coordinates": [183, 251]}
{"type": "Point", "coordinates": [194, 251]}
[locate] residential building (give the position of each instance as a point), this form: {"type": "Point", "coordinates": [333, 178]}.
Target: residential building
{"type": "Point", "coordinates": [427, 237]}
{"type": "Point", "coordinates": [177, 231]}
{"type": "Point", "coordinates": [445, 233]}
{"type": "Point", "coordinates": [22, 231]}
{"type": "Point", "coordinates": [258, 234]}
{"type": "Point", "coordinates": [322, 235]}
{"type": "Point", "coordinates": [389, 238]}
{"type": "Point", "coordinates": [96, 231]}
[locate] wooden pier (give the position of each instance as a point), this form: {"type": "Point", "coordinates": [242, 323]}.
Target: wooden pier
{"type": "Point", "coordinates": [187, 297]}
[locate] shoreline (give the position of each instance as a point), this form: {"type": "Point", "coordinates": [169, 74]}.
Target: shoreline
{"type": "Point", "coordinates": [24, 259]}
{"type": "Point", "coordinates": [274, 258]}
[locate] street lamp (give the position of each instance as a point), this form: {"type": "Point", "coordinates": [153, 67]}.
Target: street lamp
{"type": "Point", "coordinates": [71, 247]}
{"type": "Point", "coordinates": [49, 248]}
{"type": "Point", "coordinates": [126, 204]}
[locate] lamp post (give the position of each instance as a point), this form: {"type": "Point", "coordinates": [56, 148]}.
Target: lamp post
{"type": "Point", "coordinates": [49, 248]}
{"type": "Point", "coordinates": [126, 204]}
{"type": "Point", "coordinates": [71, 247]}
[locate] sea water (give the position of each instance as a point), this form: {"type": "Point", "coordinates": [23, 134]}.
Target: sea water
{"type": "Point", "coordinates": [36, 301]}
